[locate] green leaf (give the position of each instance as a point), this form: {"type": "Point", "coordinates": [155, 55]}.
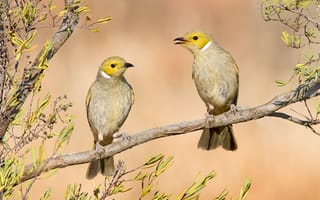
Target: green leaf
{"type": "Point", "coordinates": [64, 136]}
{"type": "Point", "coordinates": [22, 44]}
{"type": "Point", "coordinates": [119, 189]}
{"type": "Point", "coordinates": [50, 173]}
{"type": "Point", "coordinates": [67, 193]}
{"type": "Point", "coordinates": [29, 12]}
{"type": "Point", "coordinates": [310, 33]}
{"type": "Point", "coordinates": [140, 176]}
{"type": "Point", "coordinates": [104, 20]}
{"type": "Point", "coordinates": [163, 165]}
{"type": "Point", "coordinates": [160, 196]}
{"type": "Point", "coordinates": [43, 17]}
{"type": "Point", "coordinates": [267, 10]}
{"type": "Point", "coordinates": [46, 195]}
{"type": "Point", "coordinates": [43, 59]}
{"type": "Point", "coordinates": [291, 40]}
{"type": "Point", "coordinates": [33, 152]}
{"type": "Point", "coordinates": [296, 42]}
{"type": "Point", "coordinates": [73, 192]}
{"type": "Point", "coordinates": [304, 3]}
{"type": "Point", "coordinates": [287, 3]}
{"type": "Point", "coordinates": [82, 9]}
{"type": "Point", "coordinates": [308, 56]}
{"type": "Point", "coordinates": [16, 40]}
{"type": "Point", "coordinates": [286, 38]}
{"type": "Point", "coordinates": [222, 195]}
{"type": "Point", "coordinates": [62, 13]}
{"type": "Point", "coordinates": [20, 169]}
{"type": "Point", "coordinates": [51, 5]}
{"type": "Point", "coordinates": [39, 110]}
{"type": "Point", "coordinates": [153, 160]}
{"type": "Point", "coordinates": [41, 154]}
{"type": "Point", "coordinates": [44, 102]}
{"type": "Point", "coordinates": [300, 65]}
{"type": "Point", "coordinates": [95, 30]}
{"type": "Point", "coordinates": [318, 108]}
{"type": "Point", "coordinates": [17, 120]}
{"type": "Point", "coordinates": [9, 175]}
{"type": "Point", "coordinates": [281, 83]}
{"type": "Point", "coordinates": [245, 189]}
{"type": "Point", "coordinates": [194, 190]}
{"type": "Point", "coordinates": [146, 190]}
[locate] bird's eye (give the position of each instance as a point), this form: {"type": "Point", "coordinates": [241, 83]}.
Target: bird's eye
{"type": "Point", "coordinates": [113, 65]}
{"type": "Point", "coordinates": [195, 37]}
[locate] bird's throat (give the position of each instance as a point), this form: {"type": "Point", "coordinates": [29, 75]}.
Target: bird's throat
{"type": "Point", "coordinates": [206, 46]}
{"type": "Point", "coordinates": [104, 75]}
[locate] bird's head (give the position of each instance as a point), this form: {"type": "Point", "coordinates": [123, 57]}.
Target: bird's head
{"type": "Point", "coordinates": [195, 41]}
{"type": "Point", "coordinates": [114, 67]}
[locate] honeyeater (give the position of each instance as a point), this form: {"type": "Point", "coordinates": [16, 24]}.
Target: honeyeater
{"type": "Point", "coordinates": [216, 77]}
{"type": "Point", "coordinates": [108, 104]}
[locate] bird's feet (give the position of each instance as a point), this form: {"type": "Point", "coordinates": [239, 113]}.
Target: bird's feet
{"type": "Point", "coordinates": [99, 147]}
{"type": "Point", "coordinates": [121, 136]}
{"type": "Point", "coordinates": [234, 108]}
{"type": "Point", "coordinates": [208, 117]}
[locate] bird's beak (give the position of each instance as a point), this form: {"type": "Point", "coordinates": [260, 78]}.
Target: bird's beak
{"type": "Point", "coordinates": [180, 40]}
{"type": "Point", "coordinates": [127, 65]}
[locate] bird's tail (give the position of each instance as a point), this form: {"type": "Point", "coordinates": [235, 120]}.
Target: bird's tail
{"type": "Point", "coordinates": [105, 165]}
{"type": "Point", "coordinates": [212, 138]}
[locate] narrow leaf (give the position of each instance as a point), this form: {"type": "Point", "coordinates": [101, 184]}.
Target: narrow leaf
{"type": "Point", "coordinates": [104, 20]}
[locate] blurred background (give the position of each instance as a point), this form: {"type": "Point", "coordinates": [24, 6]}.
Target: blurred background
{"type": "Point", "coordinates": [280, 157]}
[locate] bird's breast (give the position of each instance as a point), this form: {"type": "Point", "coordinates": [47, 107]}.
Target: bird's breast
{"type": "Point", "coordinates": [216, 82]}
{"type": "Point", "coordinates": [109, 107]}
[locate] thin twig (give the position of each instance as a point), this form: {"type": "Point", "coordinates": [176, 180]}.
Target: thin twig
{"type": "Point", "coordinates": [295, 120]}
{"type": "Point", "coordinates": [308, 109]}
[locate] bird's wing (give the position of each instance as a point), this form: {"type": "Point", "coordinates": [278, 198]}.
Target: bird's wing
{"type": "Point", "coordinates": [88, 98]}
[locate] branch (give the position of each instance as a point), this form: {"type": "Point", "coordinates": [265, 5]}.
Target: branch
{"type": "Point", "coordinates": [33, 75]}
{"type": "Point", "coordinates": [301, 13]}
{"type": "Point", "coordinates": [307, 123]}
{"type": "Point", "coordinates": [303, 92]}
{"type": "Point", "coordinates": [4, 58]}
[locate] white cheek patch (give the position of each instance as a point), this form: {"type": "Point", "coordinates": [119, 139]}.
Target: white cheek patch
{"type": "Point", "coordinates": [205, 47]}
{"type": "Point", "coordinates": [104, 75]}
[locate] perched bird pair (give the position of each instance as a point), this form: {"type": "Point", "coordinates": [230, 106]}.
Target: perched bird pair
{"type": "Point", "coordinates": [110, 97]}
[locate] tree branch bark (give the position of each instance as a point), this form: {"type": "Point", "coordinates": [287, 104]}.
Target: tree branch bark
{"type": "Point", "coordinates": [303, 92]}
{"type": "Point", "coordinates": [31, 76]}
{"type": "Point", "coordinates": [4, 58]}
{"type": "Point", "coordinates": [307, 122]}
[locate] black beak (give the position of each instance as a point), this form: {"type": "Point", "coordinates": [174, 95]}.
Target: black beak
{"type": "Point", "coordinates": [127, 65]}
{"type": "Point", "coordinates": [180, 40]}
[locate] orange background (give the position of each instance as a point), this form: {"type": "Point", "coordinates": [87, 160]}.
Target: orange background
{"type": "Point", "coordinates": [280, 157]}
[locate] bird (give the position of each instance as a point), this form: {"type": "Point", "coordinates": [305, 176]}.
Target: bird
{"type": "Point", "coordinates": [108, 104]}
{"type": "Point", "coordinates": [216, 77]}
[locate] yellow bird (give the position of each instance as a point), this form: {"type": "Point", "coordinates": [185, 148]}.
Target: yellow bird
{"type": "Point", "coordinates": [216, 77]}
{"type": "Point", "coordinates": [108, 104]}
